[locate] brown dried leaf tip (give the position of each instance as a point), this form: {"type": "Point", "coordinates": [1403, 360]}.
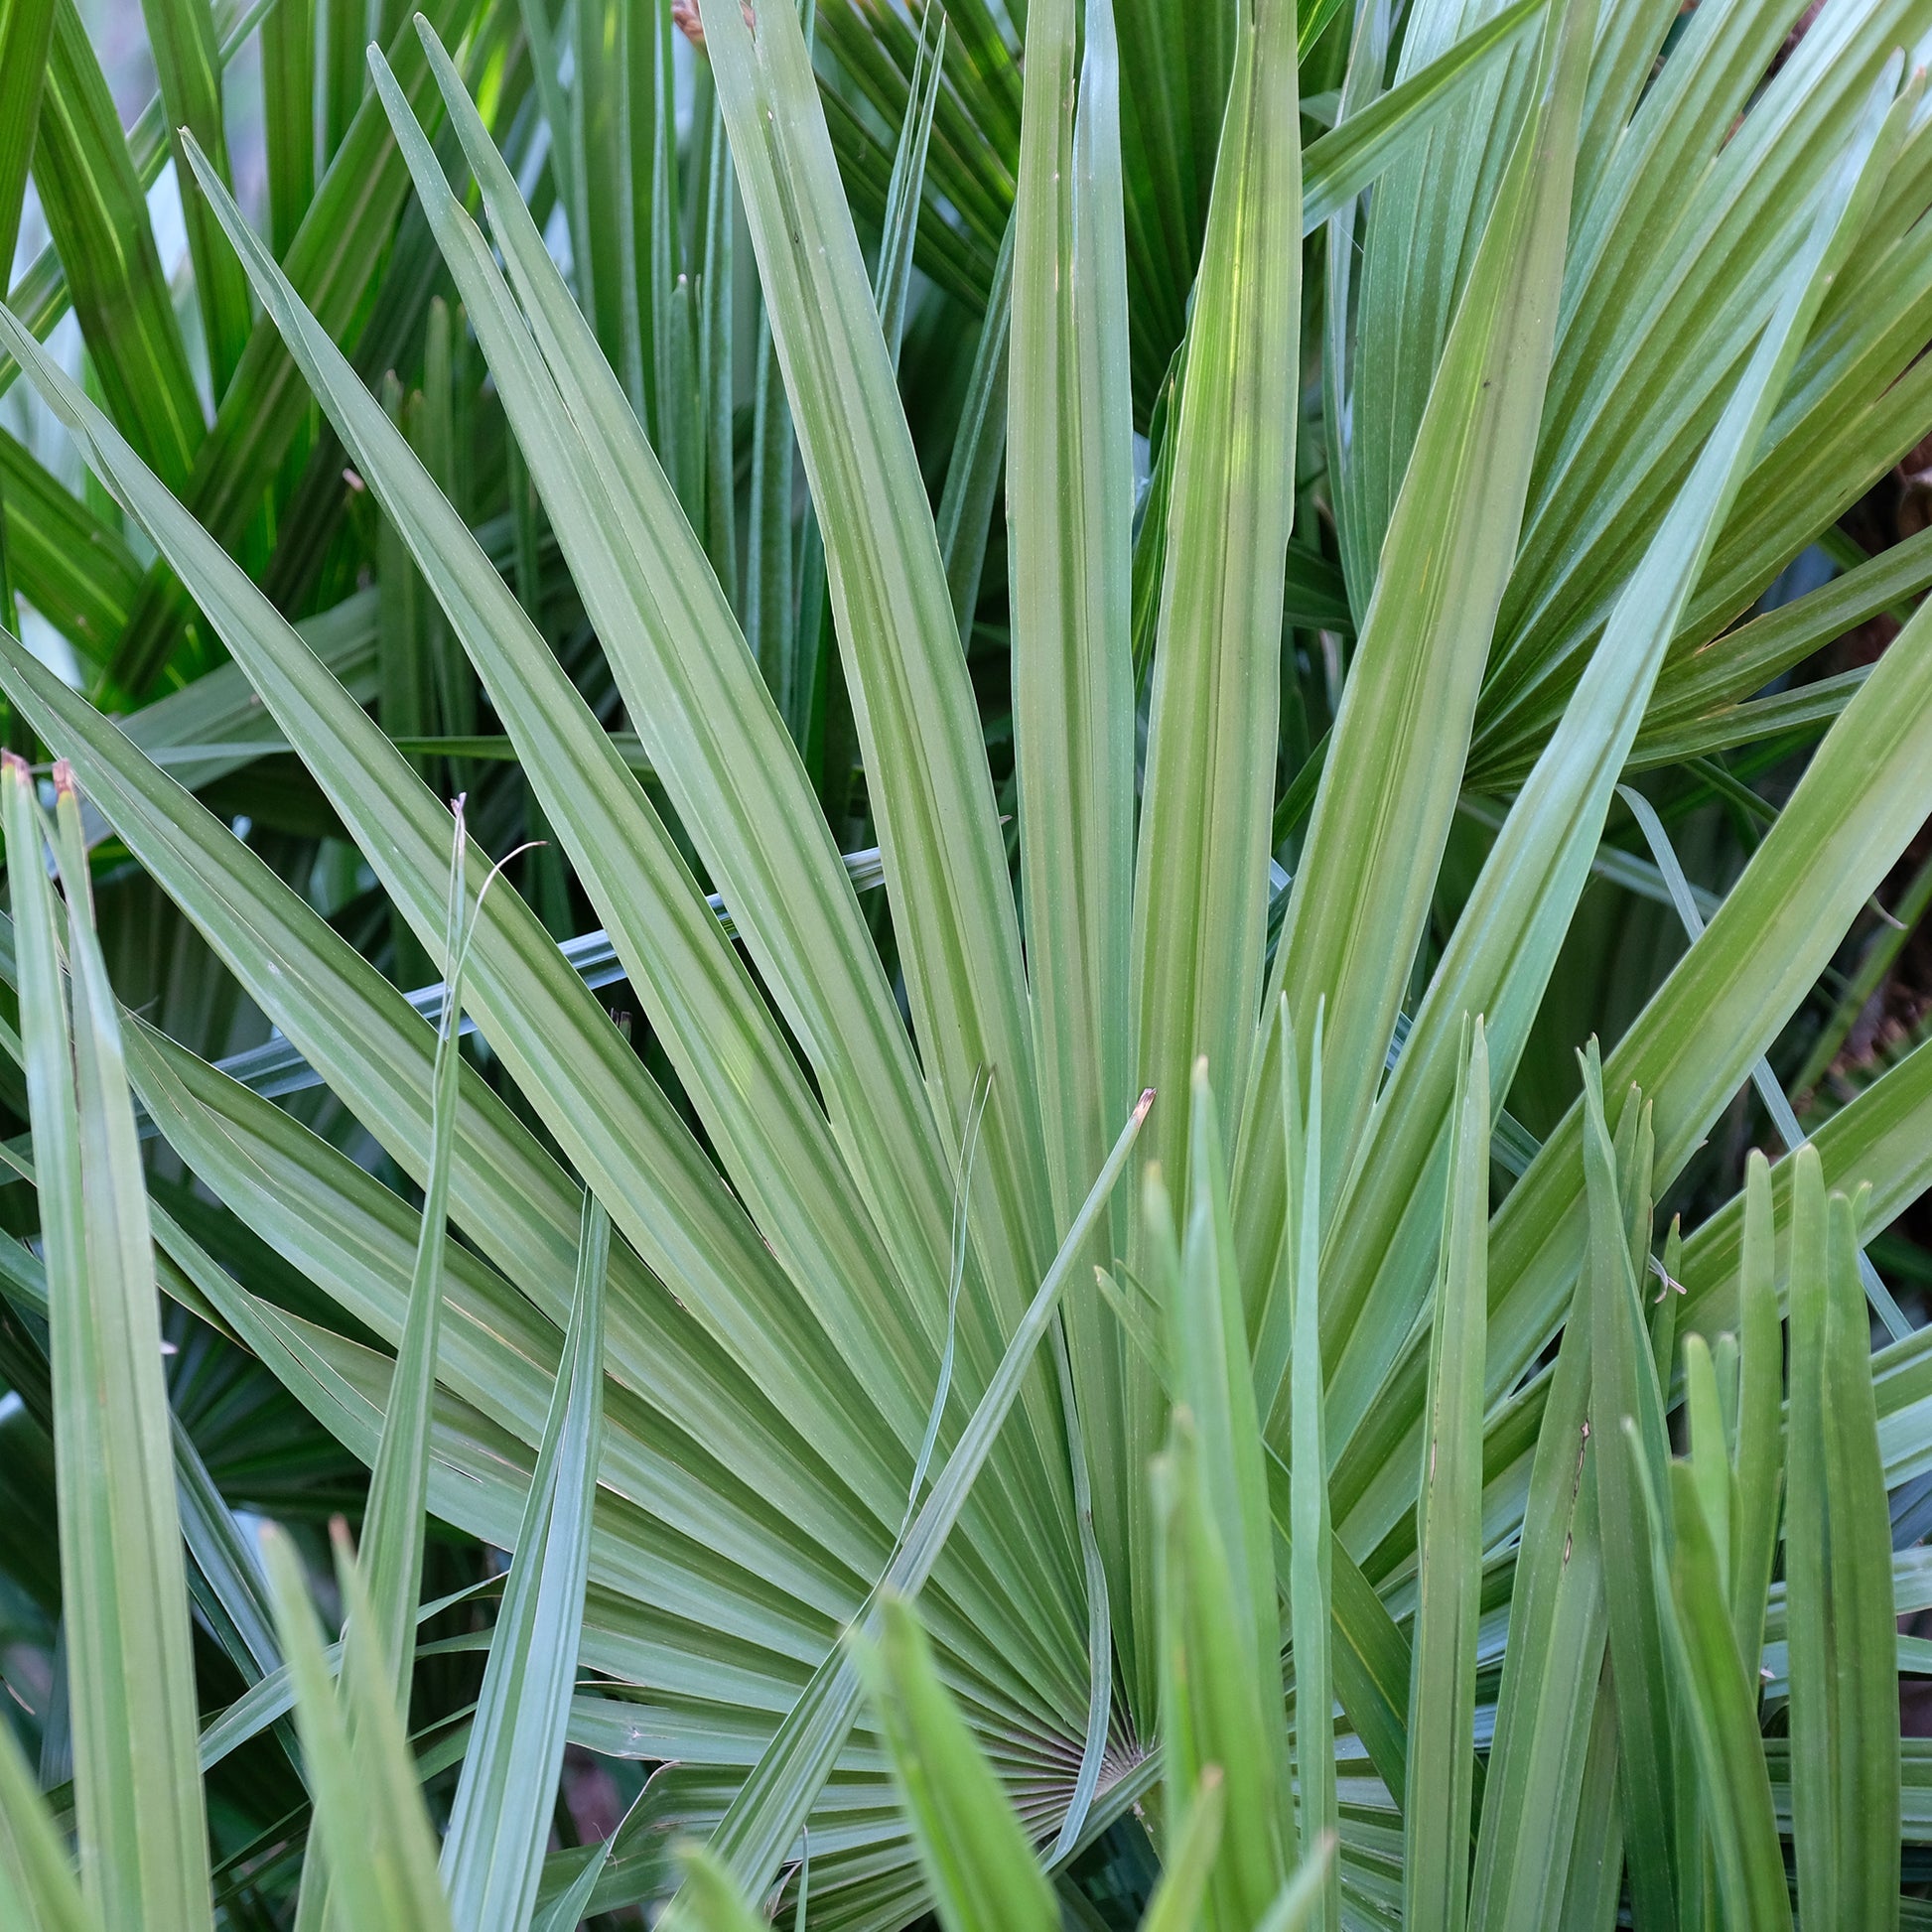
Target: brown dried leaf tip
{"type": "Point", "coordinates": [686, 18]}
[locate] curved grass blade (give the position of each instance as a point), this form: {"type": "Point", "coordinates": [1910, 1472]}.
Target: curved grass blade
{"type": "Point", "coordinates": [1309, 1596]}
{"type": "Point", "coordinates": [1069, 480]}
{"type": "Point", "coordinates": [369, 1817]}
{"type": "Point", "coordinates": [131, 1685]}
{"type": "Point", "coordinates": [981, 1870]}
{"type": "Point", "coordinates": [1176, 1900]}
{"type": "Point", "coordinates": [37, 1889]}
{"type": "Point", "coordinates": [1201, 882]}
{"type": "Point", "coordinates": [1721, 1712]}
{"type": "Point", "coordinates": [500, 1820]}
{"type": "Point", "coordinates": [1759, 1460]}
{"type": "Point", "coordinates": [1387, 790]}
{"type": "Point", "coordinates": [1624, 1385]}
{"type": "Point", "coordinates": [1440, 1790]}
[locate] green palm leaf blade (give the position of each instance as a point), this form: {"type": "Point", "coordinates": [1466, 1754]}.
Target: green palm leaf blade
{"type": "Point", "coordinates": [369, 1815]}
{"type": "Point", "coordinates": [1439, 1789]}
{"type": "Point", "coordinates": [918, 730]}
{"type": "Point", "coordinates": [718, 742]}
{"type": "Point", "coordinates": [1309, 1593]}
{"type": "Point", "coordinates": [141, 1824]}
{"type": "Point", "coordinates": [511, 1197]}
{"type": "Point", "coordinates": [500, 1820]}
{"type": "Point", "coordinates": [38, 1889]}
{"type": "Point", "coordinates": [1625, 1386]}
{"type": "Point", "coordinates": [1068, 502]}
{"type": "Point", "coordinates": [1200, 885]}
{"type": "Point", "coordinates": [187, 60]}
{"type": "Point", "coordinates": [972, 1848]}
{"type": "Point", "coordinates": [1338, 164]}
{"type": "Point", "coordinates": [26, 33]}
{"type": "Point", "coordinates": [1865, 1772]}
{"type": "Point", "coordinates": [1505, 947]}
{"type": "Point", "coordinates": [716, 1903]}
{"type": "Point", "coordinates": [1862, 797]}
{"type": "Point", "coordinates": [763, 1818]}
{"type": "Point", "coordinates": [1719, 1709]}
{"type": "Point", "coordinates": [393, 1520]}
{"type": "Point", "coordinates": [1551, 1669]}
{"type": "Point", "coordinates": [41, 295]}
{"type": "Point", "coordinates": [1877, 1140]}
{"type": "Point", "coordinates": [334, 269]}
{"type": "Point", "coordinates": [70, 565]}
{"type": "Point", "coordinates": [1760, 1458]}
{"type": "Point", "coordinates": [392, 1523]}
{"type": "Point", "coordinates": [734, 1062]}
{"type": "Point", "coordinates": [1389, 790]}
{"type": "Point", "coordinates": [1219, 1629]}
{"type": "Point", "coordinates": [1614, 442]}
{"type": "Point", "coordinates": [630, 1142]}
{"type": "Point", "coordinates": [98, 219]}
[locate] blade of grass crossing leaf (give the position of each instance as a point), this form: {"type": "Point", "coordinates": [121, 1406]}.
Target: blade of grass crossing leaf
{"type": "Point", "coordinates": [287, 117]}
{"type": "Point", "coordinates": [1864, 1630]}
{"type": "Point", "coordinates": [1625, 1385]}
{"type": "Point", "coordinates": [138, 1796]}
{"type": "Point", "coordinates": [1338, 164]}
{"type": "Point", "coordinates": [1439, 1793]}
{"type": "Point", "coordinates": [188, 61]}
{"type": "Point", "coordinates": [1308, 1593]}
{"type": "Point", "coordinates": [392, 1524]}
{"type": "Point", "coordinates": [763, 1818]}
{"type": "Point", "coordinates": [1816, 1825]}
{"type": "Point", "coordinates": [1770, 1089]}
{"type": "Point", "coordinates": [1200, 886]}
{"type": "Point", "coordinates": [500, 1820]}
{"type": "Point", "coordinates": [977, 1860]}
{"type": "Point", "coordinates": [1384, 805]}
{"type": "Point", "coordinates": [713, 1899]}
{"type": "Point", "coordinates": [37, 1889]}
{"type": "Point", "coordinates": [1761, 1429]}
{"type": "Point", "coordinates": [1721, 1712]}
{"type": "Point", "coordinates": [1176, 1900]}
{"type": "Point", "coordinates": [1068, 489]}
{"type": "Point", "coordinates": [907, 186]}
{"type": "Point", "coordinates": [1551, 1669]}
{"type": "Point", "coordinates": [945, 859]}
{"type": "Point", "coordinates": [369, 1806]}
{"type": "Point", "coordinates": [98, 218]}
{"type": "Point", "coordinates": [979, 450]}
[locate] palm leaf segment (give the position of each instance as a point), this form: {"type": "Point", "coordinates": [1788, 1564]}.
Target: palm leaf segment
{"type": "Point", "coordinates": [1542, 542]}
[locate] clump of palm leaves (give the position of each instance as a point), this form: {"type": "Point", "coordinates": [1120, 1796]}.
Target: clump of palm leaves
{"type": "Point", "coordinates": [1045, 1347]}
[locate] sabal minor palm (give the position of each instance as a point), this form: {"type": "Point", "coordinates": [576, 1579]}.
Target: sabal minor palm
{"type": "Point", "coordinates": [1604, 366]}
